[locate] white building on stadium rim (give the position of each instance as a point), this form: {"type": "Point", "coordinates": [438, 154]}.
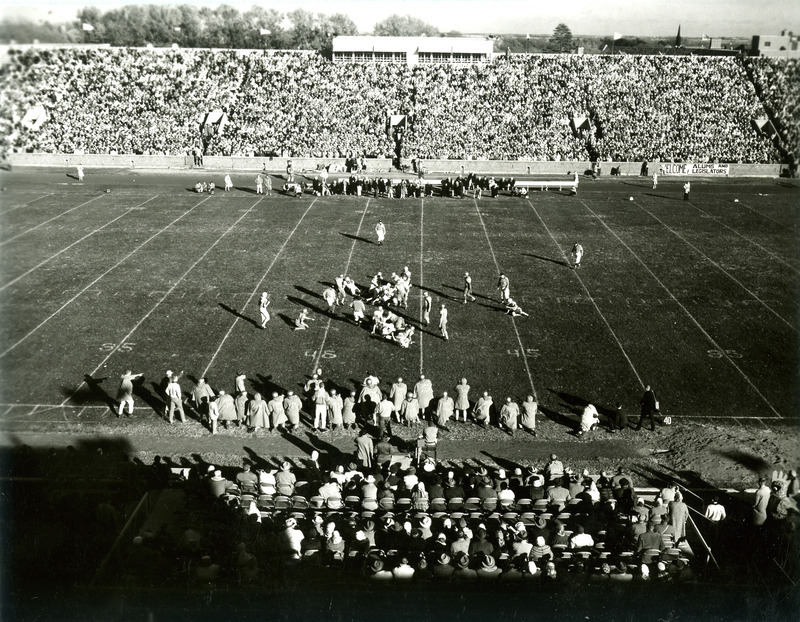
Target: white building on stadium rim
{"type": "Point", "coordinates": [412, 50]}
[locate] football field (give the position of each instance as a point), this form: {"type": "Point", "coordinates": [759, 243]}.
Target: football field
{"type": "Point", "coordinates": [698, 298]}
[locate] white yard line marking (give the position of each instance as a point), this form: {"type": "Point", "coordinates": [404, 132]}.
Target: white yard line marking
{"type": "Point", "coordinates": [710, 339]}
{"type": "Point", "coordinates": [755, 211]}
{"type": "Point", "coordinates": [11, 209]}
{"type": "Point", "coordinates": [66, 304]}
{"type": "Point", "coordinates": [715, 264]}
{"type": "Point", "coordinates": [41, 224]}
{"type": "Point", "coordinates": [80, 412]}
{"type": "Point", "coordinates": [421, 266]}
{"type": "Point", "coordinates": [125, 213]}
{"type": "Point", "coordinates": [513, 321]}
{"type": "Point", "coordinates": [744, 237]}
{"type": "Point", "coordinates": [163, 298]}
{"type": "Point", "coordinates": [589, 296]}
{"type": "Point", "coordinates": [255, 289]}
{"type": "Point", "coordinates": [346, 268]}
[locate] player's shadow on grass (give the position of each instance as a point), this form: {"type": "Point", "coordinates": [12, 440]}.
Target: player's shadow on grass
{"type": "Point", "coordinates": [245, 189]}
{"type": "Point", "coordinates": [308, 292]}
{"type": "Point", "coordinates": [559, 418]}
{"type": "Point", "coordinates": [748, 460]}
{"type": "Point", "coordinates": [555, 261]}
{"type": "Point", "coordinates": [318, 310]}
{"type": "Point", "coordinates": [438, 293]}
{"type": "Point", "coordinates": [460, 297]}
{"type": "Point", "coordinates": [241, 316]}
{"type": "Point", "coordinates": [89, 394]}
{"type": "Point", "coordinates": [289, 321]}
{"type": "Point", "coordinates": [266, 387]}
{"type": "Point", "coordinates": [663, 196]}
{"type": "Point", "coordinates": [356, 237]}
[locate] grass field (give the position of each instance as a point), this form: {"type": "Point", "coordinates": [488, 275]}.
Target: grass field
{"type": "Point", "coordinates": [697, 298]}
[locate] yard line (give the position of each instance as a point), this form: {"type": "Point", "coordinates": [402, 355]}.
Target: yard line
{"type": "Point", "coordinates": [716, 265]}
{"type": "Point", "coordinates": [125, 213]}
{"type": "Point", "coordinates": [4, 212]}
{"type": "Point", "coordinates": [686, 311]}
{"type": "Point", "coordinates": [744, 237]}
{"type": "Point", "coordinates": [591, 298]}
{"type": "Point", "coordinates": [755, 211]}
{"type": "Point", "coordinates": [421, 265]}
{"type": "Point", "coordinates": [72, 209]}
{"type": "Point", "coordinates": [163, 298]}
{"type": "Point", "coordinates": [513, 321]}
{"type": "Point", "coordinates": [346, 268]}
{"type": "Point", "coordinates": [257, 287]}
{"type": "Point", "coordinates": [62, 307]}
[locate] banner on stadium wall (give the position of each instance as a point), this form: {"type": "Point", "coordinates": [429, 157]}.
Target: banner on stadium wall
{"type": "Point", "coordinates": [701, 168]}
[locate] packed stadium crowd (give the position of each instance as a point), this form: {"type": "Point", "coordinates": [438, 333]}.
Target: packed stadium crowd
{"type": "Point", "coordinates": [669, 108]}
{"type": "Point", "coordinates": [777, 81]}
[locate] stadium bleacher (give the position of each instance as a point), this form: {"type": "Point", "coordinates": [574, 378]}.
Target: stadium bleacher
{"type": "Point", "coordinates": [668, 108]}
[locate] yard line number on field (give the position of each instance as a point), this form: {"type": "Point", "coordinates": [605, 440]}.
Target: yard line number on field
{"type": "Point", "coordinates": [256, 289]}
{"type": "Point", "coordinates": [711, 340]}
{"type": "Point", "coordinates": [513, 320]}
{"type": "Point", "coordinates": [715, 264]}
{"type": "Point", "coordinates": [41, 224]}
{"type": "Point", "coordinates": [89, 286]}
{"type": "Point", "coordinates": [124, 340]}
{"type": "Point", "coordinates": [63, 250]}
{"type": "Point", "coordinates": [589, 296]}
{"type": "Point", "coordinates": [321, 349]}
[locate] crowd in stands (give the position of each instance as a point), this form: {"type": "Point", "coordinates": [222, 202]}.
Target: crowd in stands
{"type": "Point", "coordinates": [391, 522]}
{"type": "Point", "coordinates": [777, 82]}
{"type": "Point", "coordinates": [669, 108]}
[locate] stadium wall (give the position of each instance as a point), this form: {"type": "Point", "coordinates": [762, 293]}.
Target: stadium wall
{"type": "Point", "coordinates": [377, 165]}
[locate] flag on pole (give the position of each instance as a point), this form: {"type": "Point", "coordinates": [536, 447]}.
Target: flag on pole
{"type": "Point", "coordinates": [87, 27]}
{"type": "Point", "coordinates": [265, 31]}
{"type": "Point", "coordinates": [617, 36]}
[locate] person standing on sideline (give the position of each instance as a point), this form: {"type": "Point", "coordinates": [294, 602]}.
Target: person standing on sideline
{"type": "Point", "coordinates": [505, 287]}
{"type": "Point", "coordinates": [289, 171]}
{"type": "Point", "coordinates": [444, 410]}
{"type": "Point", "coordinates": [213, 414]}
{"type": "Point", "coordinates": [397, 394]}
{"type": "Point", "coordinates": [259, 184]}
{"type": "Point", "coordinates": [292, 407]}
{"type": "Point", "coordinates": [468, 288]}
{"type": "Point", "coordinates": [620, 421]}
{"type": "Point", "coordinates": [527, 418]}
{"type": "Point", "coordinates": [263, 303]}
{"type": "Point", "coordinates": [320, 400]}
{"type": "Point", "coordinates": [80, 172]}
{"type": "Point", "coordinates": [483, 409]}
{"type": "Point", "coordinates": [228, 182]}
{"type": "Point", "coordinates": [424, 392]}
{"type": "Point", "coordinates": [125, 392]}
{"type": "Point", "coordinates": [380, 231]}
{"type": "Point", "coordinates": [687, 187]}
{"type": "Point", "coordinates": [175, 399]}
{"type": "Point", "coordinates": [577, 255]}
{"type": "Point", "coordinates": [226, 408]}
{"type": "Point", "coordinates": [649, 406]}
{"type": "Point", "coordinates": [761, 502]}
{"type": "Point", "coordinates": [443, 322]}
{"type": "Point", "coordinates": [427, 303]}
{"type": "Point", "coordinates": [462, 399]}
{"type": "Point", "coordinates": [365, 449]}
{"type": "Point", "coordinates": [655, 180]}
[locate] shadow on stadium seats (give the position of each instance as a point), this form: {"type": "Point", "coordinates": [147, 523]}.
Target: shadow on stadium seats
{"type": "Point", "coordinates": [356, 238]}
{"type": "Point", "coordinates": [503, 463]}
{"type": "Point", "coordinates": [240, 315]}
{"type": "Point", "coordinates": [555, 261]}
{"type": "Point", "coordinates": [256, 461]}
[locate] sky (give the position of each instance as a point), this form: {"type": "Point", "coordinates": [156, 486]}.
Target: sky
{"type": "Point", "coordinates": [715, 18]}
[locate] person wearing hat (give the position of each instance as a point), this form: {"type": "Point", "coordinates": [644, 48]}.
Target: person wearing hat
{"type": "Point", "coordinates": [257, 413]}
{"type": "Point", "coordinates": [540, 550]}
{"type": "Point", "coordinates": [454, 490]}
{"type": "Point", "coordinates": [442, 571]}
{"type": "Point", "coordinates": [384, 451]}
{"type": "Point", "coordinates": [397, 394]}
{"type": "Point", "coordinates": [636, 528]}
{"type": "Point", "coordinates": [558, 496]}
{"type": "Point", "coordinates": [460, 544]}
{"type": "Point", "coordinates": [246, 479]}
{"type": "Point", "coordinates": [521, 545]}
{"type": "Point", "coordinates": [488, 570]}
{"type": "Point", "coordinates": [226, 408]}
{"type": "Point", "coordinates": [485, 491]}
{"type": "Point", "coordinates": [560, 537]}
{"type": "Point", "coordinates": [285, 477]}
{"type": "Point", "coordinates": [292, 405]}
{"type": "Point", "coordinates": [409, 410]}
{"type": "Point", "coordinates": [480, 544]}
{"type": "Point", "coordinates": [554, 470]}
{"type": "Point", "coordinates": [376, 569]}
{"type": "Point", "coordinates": [463, 573]}
{"type": "Point", "coordinates": [649, 540]}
